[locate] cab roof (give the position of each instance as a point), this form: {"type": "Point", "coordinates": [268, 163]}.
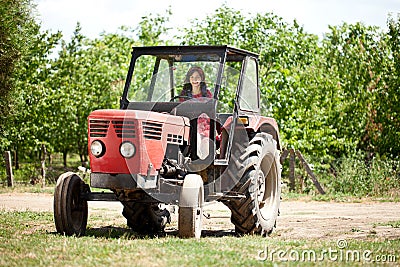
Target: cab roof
{"type": "Point", "coordinates": [231, 52]}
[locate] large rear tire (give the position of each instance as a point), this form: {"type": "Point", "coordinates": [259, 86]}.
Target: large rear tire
{"type": "Point", "coordinates": [146, 218]}
{"type": "Point", "coordinates": [70, 209]}
{"type": "Point", "coordinates": [260, 183]}
{"type": "Point", "coordinates": [191, 207]}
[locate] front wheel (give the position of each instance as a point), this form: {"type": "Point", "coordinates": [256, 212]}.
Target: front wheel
{"type": "Point", "coordinates": [191, 207]}
{"type": "Point", "coordinates": [70, 209]}
{"type": "Point", "coordinates": [260, 183]}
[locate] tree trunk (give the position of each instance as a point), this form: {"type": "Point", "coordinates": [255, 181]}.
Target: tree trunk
{"type": "Point", "coordinates": [43, 165]}
{"type": "Point", "coordinates": [85, 158]}
{"type": "Point", "coordinates": [292, 164]}
{"type": "Point", "coordinates": [82, 160]}
{"type": "Point", "coordinates": [10, 177]}
{"type": "Point", "coordinates": [16, 158]}
{"type": "Point", "coordinates": [65, 158]}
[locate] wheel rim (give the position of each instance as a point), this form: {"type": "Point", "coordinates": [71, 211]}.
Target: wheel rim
{"type": "Point", "coordinates": [198, 215]}
{"type": "Point", "coordinates": [267, 188]}
{"type": "Point", "coordinates": [261, 188]}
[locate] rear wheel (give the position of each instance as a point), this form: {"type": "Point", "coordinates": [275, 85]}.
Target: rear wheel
{"type": "Point", "coordinates": [191, 207]}
{"type": "Point", "coordinates": [70, 209]}
{"type": "Point", "coordinates": [146, 218]}
{"type": "Point", "coordinates": [260, 183]}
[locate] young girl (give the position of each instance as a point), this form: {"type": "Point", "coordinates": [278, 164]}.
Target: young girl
{"type": "Point", "coordinates": [195, 85]}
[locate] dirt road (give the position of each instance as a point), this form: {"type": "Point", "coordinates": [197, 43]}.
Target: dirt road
{"type": "Point", "coordinates": [298, 219]}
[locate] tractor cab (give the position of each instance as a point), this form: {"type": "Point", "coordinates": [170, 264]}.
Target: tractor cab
{"type": "Point", "coordinates": [159, 80]}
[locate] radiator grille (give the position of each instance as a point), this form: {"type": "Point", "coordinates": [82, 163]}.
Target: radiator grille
{"type": "Point", "coordinates": [175, 139]}
{"type": "Point", "coordinates": [124, 128]}
{"type": "Point", "coordinates": [152, 130]}
{"type": "Point", "coordinates": [98, 128]}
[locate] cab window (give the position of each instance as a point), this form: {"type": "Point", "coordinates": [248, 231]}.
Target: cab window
{"type": "Point", "coordinates": [248, 99]}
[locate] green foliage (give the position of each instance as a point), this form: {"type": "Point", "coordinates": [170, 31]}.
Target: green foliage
{"type": "Point", "coordinates": [85, 77]}
{"type": "Point", "coordinates": [17, 29]}
{"type": "Point", "coordinates": [152, 29]}
{"type": "Point", "coordinates": [55, 96]}
{"type": "Point", "coordinates": [357, 177]}
{"type": "Point", "coordinates": [27, 123]}
{"type": "Point", "coordinates": [394, 224]}
{"type": "Point", "coordinates": [385, 128]}
{"type": "Point", "coordinates": [219, 28]}
{"type": "Point", "coordinates": [354, 56]}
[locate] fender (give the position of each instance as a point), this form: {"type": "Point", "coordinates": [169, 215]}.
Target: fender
{"type": "Point", "coordinates": [259, 124]}
{"type": "Point", "coordinates": [265, 125]}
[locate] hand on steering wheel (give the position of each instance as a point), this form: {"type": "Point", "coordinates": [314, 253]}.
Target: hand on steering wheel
{"type": "Point", "coordinates": [179, 96]}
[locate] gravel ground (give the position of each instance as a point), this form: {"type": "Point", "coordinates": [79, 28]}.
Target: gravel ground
{"type": "Point", "coordinates": [297, 220]}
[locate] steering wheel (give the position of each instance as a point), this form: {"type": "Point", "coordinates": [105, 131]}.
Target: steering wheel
{"type": "Point", "coordinates": [179, 96]}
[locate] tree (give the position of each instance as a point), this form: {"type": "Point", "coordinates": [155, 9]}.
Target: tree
{"type": "Point", "coordinates": [386, 130]}
{"type": "Point", "coordinates": [87, 76]}
{"type": "Point", "coordinates": [26, 124]}
{"type": "Point", "coordinates": [355, 56]}
{"type": "Point", "coordinates": [152, 29]}
{"type": "Point", "coordinates": [17, 29]}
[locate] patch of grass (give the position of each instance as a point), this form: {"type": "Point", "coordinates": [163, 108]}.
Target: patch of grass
{"type": "Point", "coordinates": [38, 189]}
{"type": "Point", "coordinates": [294, 196]}
{"type": "Point", "coordinates": [358, 176]}
{"type": "Point", "coordinates": [387, 198]}
{"type": "Point", "coordinates": [29, 239]}
{"type": "Point", "coordinates": [27, 188]}
{"type": "Point", "coordinates": [394, 224]}
{"type": "Point", "coordinates": [337, 197]}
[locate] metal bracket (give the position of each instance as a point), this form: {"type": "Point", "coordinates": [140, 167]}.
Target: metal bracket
{"type": "Point", "coordinates": [102, 196]}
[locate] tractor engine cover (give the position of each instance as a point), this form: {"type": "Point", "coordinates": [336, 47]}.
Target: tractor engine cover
{"type": "Point", "coordinates": [132, 142]}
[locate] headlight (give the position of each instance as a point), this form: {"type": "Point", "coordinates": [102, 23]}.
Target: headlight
{"type": "Point", "coordinates": [97, 148]}
{"type": "Point", "coordinates": [127, 149]}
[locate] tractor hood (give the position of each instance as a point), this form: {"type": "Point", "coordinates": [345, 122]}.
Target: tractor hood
{"type": "Point", "coordinates": [148, 134]}
{"type": "Point", "coordinates": [139, 115]}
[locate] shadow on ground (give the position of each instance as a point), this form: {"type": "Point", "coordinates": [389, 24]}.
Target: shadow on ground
{"type": "Point", "coordinates": [127, 233]}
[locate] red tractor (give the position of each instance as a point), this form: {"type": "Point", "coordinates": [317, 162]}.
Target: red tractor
{"type": "Point", "coordinates": [188, 131]}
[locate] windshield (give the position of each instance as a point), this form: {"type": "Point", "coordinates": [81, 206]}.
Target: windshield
{"type": "Point", "coordinates": [163, 78]}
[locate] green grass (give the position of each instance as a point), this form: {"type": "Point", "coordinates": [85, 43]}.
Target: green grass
{"type": "Point", "coordinates": [336, 197]}
{"type": "Point", "coordinates": [29, 239]}
{"type": "Point", "coordinates": [27, 188]}
{"type": "Point", "coordinates": [394, 224]}
{"type": "Point", "coordinates": [340, 197]}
